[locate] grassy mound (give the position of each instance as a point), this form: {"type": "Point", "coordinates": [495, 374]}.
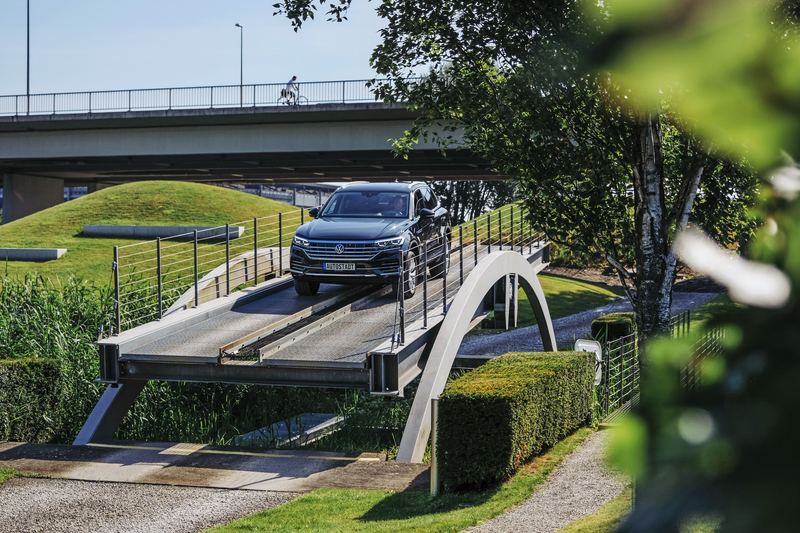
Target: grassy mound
{"type": "Point", "coordinates": [145, 203]}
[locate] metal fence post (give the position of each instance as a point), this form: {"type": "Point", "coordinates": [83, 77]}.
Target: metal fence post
{"type": "Point", "coordinates": [489, 231]}
{"type": "Point", "coordinates": [512, 228]}
{"type": "Point", "coordinates": [425, 286]}
{"type": "Point", "coordinates": [475, 234]}
{"type": "Point", "coordinates": [302, 216]}
{"type": "Point", "coordinates": [435, 481]}
{"type": "Point", "coordinates": [461, 251]}
{"type": "Point", "coordinates": [255, 250]}
{"type": "Point", "coordinates": [401, 286]}
{"type": "Point", "coordinates": [444, 288]}
{"type": "Point", "coordinates": [158, 274]}
{"type": "Point", "coordinates": [196, 286]}
{"type": "Point", "coordinates": [280, 244]}
{"type": "Point", "coordinates": [117, 303]}
{"type": "Point", "coordinates": [227, 259]}
{"type": "Point", "coordinates": [500, 228]}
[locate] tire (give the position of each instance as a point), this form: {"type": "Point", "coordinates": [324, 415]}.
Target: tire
{"type": "Point", "coordinates": [410, 276]}
{"type": "Point", "coordinates": [306, 288]}
{"type": "Point", "coordinates": [442, 264]}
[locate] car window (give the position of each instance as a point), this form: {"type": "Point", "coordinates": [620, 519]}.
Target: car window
{"type": "Point", "coordinates": [419, 202]}
{"type": "Point", "coordinates": [367, 204]}
{"type": "Point", "coordinates": [430, 199]}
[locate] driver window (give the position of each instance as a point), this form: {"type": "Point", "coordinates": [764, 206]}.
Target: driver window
{"type": "Point", "coordinates": [419, 203]}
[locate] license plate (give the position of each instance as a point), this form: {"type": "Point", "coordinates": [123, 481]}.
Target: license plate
{"type": "Point", "coordinates": [339, 266]}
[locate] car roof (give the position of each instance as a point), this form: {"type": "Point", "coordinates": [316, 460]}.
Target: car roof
{"type": "Point", "coordinates": [403, 186]}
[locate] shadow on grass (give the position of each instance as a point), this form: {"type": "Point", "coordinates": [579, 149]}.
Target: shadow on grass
{"type": "Point", "coordinates": [407, 505]}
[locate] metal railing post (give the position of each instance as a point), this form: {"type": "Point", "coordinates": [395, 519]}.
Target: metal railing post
{"type": "Point", "coordinates": [512, 228]}
{"type": "Point", "coordinates": [170, 99]}
{"type": "Point", "coordinates": [302, 216]}
{"type": "Point", "coordinates": [521, 232]}
{"type": "Point", "coordinates": [196, 280]}
{"type": "Point", "coordinates": [280, 244]}
{"type": "Point", "coordinates": [90, 104]}
{"type": "Point", "coordinates": [117, 303]}
{"type": "Point", "coordinates": [425, 286]}
{"type": "Point", "coordinates": [500, 228]}
{"type": "Point", "coordinates": [158, 274]}
{"type": "Point", "coordinates": [461, 251]}
{"type": "Point", "coordinates": [530, 238]}
{"type": "Point", "coordinates": [435, 481]}
{"type": "Point", "coordinates": [475, 234]}
{"type": "Point", "coordinates": [489, 231]}
{"type": "Point", "coordinates": [129, 101]}
{"type": "Point", "coordinates": [255, 250]}
{"type": "Point", "coordinates": [401, 286]}
{"type": "Point", "coordinates": [444, 287]}
{"type": "Point", "coordinates": [227, 259]}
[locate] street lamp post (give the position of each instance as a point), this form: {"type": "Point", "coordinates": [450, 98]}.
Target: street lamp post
{"type": "Point", "coordinates": [241, 64]}
{"type": "Point", "coordinates": [28, 86]}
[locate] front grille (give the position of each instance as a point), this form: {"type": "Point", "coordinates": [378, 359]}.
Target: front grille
{"type": "Point", "coordinates": [353, 251]}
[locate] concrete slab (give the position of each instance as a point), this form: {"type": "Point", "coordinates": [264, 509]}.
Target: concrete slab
{"type": "Point", "coordinates": [31, 254]}
{"type": "Point", "coordinates": [199, 465]}
{"type": "Point", "coordinates": [151, 232]}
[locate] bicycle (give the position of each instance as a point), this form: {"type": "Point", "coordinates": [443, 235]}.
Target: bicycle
{"type": "Point", "coordinates": [294, 101]}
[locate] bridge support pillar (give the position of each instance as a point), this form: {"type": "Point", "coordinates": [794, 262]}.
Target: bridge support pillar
{"type": "Point", "coordinates": [497, 266]}
{"type": "Point", "coordinates": [107, 415]}
{"type": "Point", "coordinates": [24, 195]}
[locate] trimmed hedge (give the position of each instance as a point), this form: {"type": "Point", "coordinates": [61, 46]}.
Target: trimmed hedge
{"type": "Point", "coordinates": [30, 397]}
{"type": "Point", "coordinates": [494, 418]}
{"type": "Point", "coordinates": [613, 326]}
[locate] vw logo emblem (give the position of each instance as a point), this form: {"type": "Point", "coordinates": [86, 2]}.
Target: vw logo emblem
{"type": "Point", "coordinates": [339, 248]}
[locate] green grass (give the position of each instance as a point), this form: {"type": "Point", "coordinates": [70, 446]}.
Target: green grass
{"type": "Point", "coordinates": [8, 473]}
{"type": "Point", "coordinates": [606, 519]}
{"type": "Point", "coordinates": [161, 203]}
{"type": "Point", "coordinates": [381, 511]}
{"type": "Point", "coordinates": [718, 305]}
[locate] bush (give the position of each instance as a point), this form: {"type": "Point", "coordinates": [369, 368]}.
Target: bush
{"type": "Point", "coordinates": [496, 417]}
{"type": "Point", "coordinates": [30, 399]}
{"type": "Point", "coordinates": [612, 326]}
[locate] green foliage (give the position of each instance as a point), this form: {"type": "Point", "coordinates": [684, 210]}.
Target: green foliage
{"type": "Point", "coordinates": [31, 394]}
{"type": "Point", "coordinates": [612, 326]}
{"type": "Point", "coordinates": [40, 321]}
{"type": "Point", "coordinates": [498, 416]}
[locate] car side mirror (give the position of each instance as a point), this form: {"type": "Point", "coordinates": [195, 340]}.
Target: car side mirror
{"type": "Point", "coordinates": [426, 213]}
{"type": "Point", "coordinates": [313, 212]}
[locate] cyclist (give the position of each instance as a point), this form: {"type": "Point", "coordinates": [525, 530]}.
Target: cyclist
{"type": "Point", "coordinates": [291, 90]}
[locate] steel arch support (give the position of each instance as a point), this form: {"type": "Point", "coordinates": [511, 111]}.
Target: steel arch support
{"type": "Point", "coordinates": [455, 325]}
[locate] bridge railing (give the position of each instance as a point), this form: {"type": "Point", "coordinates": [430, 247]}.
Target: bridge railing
{"type": "Point", "coordinates": [155, 278]}
{"type": "Point", "coordinates": [208, 97]}
{"type": "Point", "coordinates": [502, 230]}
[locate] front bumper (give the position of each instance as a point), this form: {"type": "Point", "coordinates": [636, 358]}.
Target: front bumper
{"type": "Point", "coordinates": [383, 267]}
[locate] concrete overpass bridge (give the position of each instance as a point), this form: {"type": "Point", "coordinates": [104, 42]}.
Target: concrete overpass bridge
{"type": "Point", "coordinates": [209, 135]}
{"type": "Point", "coordinates": [344, 337]}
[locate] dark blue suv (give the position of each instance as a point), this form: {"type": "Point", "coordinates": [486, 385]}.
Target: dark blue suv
{"type": "Point", "coordinates": [364, 231]}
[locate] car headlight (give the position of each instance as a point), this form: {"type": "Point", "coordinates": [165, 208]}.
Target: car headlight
{"type": "Point", "coordinates": [394, 242]}
{"type": "Point", "coordinates": [300, 242]}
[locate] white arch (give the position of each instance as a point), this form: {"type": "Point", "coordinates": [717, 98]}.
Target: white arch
{"type": "Point", "coordinates": [455, 325]}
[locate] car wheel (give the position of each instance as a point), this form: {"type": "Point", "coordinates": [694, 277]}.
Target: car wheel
{"type": "Point", "coordinates": [410, 276]}
{"type": "Point", "coordinates": [442, 264]}
{"type": "Point", "coordinates": [306, 288]}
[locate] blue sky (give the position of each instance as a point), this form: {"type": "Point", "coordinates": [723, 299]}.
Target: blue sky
{"type": "Point", "coordinates": [91, 45]}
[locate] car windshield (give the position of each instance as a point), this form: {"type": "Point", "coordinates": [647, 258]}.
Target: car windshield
{"type": "Point", "coordinates": [367, 204]}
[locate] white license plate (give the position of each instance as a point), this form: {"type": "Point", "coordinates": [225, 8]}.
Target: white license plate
{"type": "Point", "coordinates": [339, 266]}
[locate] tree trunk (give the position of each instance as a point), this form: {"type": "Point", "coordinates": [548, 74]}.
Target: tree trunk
{"type": "Point", "coordinates": [655, 273]}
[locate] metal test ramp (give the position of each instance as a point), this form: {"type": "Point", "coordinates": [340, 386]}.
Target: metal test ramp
{"type": "Point", "coordinates": [344, 337]}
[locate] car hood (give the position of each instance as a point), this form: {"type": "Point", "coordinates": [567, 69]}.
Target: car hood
{"type": "Point", "coordinates": [353, 229]}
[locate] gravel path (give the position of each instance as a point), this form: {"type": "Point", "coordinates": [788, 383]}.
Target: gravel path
{"type": "Point", "coordinates": [578, 487]}
{"type": "Point", "coordinates": [58, 505]}
{"type": "Point", "coordinates": [567, 329]}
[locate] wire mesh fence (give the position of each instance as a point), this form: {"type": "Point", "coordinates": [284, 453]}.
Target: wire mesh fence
{"type": "Point", "coordinates": [208, 97]}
